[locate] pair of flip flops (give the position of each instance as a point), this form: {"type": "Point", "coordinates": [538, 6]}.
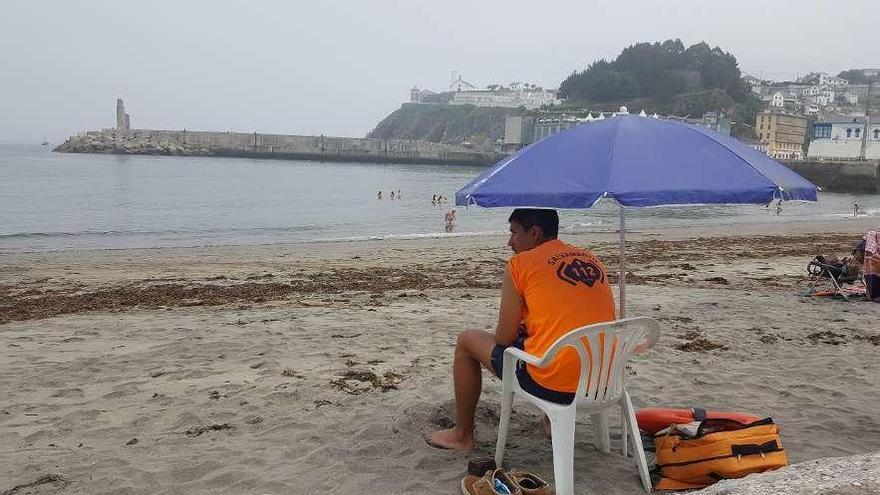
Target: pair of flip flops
{"type": "Point", "coordinates": [484, 478]}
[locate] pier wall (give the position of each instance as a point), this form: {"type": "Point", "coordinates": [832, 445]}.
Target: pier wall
{"type": "Point", "coordinates": [330, 148]}
{"type": "Point", "coordinates": [845, 176]}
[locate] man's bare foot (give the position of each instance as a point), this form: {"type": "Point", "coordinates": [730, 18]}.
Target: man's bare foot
{"type": "Point", "coordinates": [453, 439]}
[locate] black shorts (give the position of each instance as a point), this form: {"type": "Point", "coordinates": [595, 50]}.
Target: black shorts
{"type": "Point", "coordinates": [525, 380]}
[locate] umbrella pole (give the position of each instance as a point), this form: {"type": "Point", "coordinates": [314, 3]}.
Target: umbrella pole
{"type": "Point", "coordinates": [621, 281]}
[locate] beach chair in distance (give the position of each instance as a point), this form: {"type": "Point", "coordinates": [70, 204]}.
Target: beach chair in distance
{"type": "Point", "coordinates": [828, 279]}
{"type": "Point", "coordinates": [604, 349]}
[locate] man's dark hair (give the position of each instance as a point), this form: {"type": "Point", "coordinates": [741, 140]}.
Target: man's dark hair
{"type": "Point", "coordinates": [548, 220]}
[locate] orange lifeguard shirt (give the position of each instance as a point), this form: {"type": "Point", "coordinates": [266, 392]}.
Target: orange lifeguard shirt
{"type": "Point", "coordinates": [564, 287]}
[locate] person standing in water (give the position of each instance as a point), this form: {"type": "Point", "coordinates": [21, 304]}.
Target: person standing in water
{"type": "Point", "coordinates": [379, 196]}
{"type": "Point", "coordinates": [449, 218]}
{"type": "Point", "coordinates": [855, 208]}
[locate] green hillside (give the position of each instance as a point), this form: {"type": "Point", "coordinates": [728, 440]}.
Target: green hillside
{"type": "Point", "coordinates": [449, 124]}
{"type": "Point", "coordinates": [663, 77]}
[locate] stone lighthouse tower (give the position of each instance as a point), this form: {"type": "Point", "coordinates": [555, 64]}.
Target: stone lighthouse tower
{"type": "Point", "coordinates": [123, 122]}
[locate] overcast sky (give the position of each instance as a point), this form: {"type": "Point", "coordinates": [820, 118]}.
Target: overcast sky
{"type": "Point", "coordinates": [336, 68]}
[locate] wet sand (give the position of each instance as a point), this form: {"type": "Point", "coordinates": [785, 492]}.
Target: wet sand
{"type": "Point", "coordinates": [316, 368]}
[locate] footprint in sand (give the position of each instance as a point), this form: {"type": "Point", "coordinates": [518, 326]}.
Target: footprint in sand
{"type": "Point", "coordinates": [68, 393]}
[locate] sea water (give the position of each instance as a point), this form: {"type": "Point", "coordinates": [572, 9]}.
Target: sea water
{"type": "Point", "coordinates": [55, 201]}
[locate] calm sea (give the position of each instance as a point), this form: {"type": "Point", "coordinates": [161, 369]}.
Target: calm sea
{"type": "Point", "coordinates": [54, 201]}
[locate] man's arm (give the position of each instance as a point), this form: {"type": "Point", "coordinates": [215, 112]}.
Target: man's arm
{"type": "Point", "coordinates": [511, 313]}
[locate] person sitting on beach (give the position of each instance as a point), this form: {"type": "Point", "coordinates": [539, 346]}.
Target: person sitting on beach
{"type": "Point", "coordinates": [872, 266]}
{"type": "Point", "coordinates": [847, 267]}
{"type": "Point", "coordinates": [549, 288]}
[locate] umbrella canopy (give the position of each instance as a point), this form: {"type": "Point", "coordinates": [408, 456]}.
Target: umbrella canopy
{"type": "Point", "coordinates": [637, 161]}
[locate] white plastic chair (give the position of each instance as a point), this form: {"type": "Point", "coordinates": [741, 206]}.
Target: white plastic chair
{"type": "Point", "coordinates": [600, 386]}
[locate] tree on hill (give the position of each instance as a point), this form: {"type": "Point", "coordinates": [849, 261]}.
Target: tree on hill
{"type": "Point", "coordinates": [658, 70]}
{"type": "Point", "coordinates": [857, 76]}
{"type": "Point", "coordinates": [667, 77]}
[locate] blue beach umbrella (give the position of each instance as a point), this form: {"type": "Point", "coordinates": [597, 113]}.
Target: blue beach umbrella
{"type": "Point", "coordinates": [637, 162]}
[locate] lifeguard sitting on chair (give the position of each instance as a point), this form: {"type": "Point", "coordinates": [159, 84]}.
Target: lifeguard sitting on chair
{"type": "Point", "coordinates": [549, 289]}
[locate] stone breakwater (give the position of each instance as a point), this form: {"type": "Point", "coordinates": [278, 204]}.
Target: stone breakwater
{"type": "Point", "coordinates": [326, 148]}
{"type": "Point", "coordinates": [830, 176]}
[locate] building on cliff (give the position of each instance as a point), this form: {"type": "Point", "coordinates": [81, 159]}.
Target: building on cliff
{"type": "Point", "coordinates": [514, 95]}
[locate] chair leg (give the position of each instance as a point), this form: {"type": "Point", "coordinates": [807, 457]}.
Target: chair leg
{"type": "Point", "coordinates": [624, 421]}
{"type": "Point", "coordinates": [600, 428]}
{"type": "Point", "coordinates": [562, 427]}
{"type": "Point", "coordinates": [838, 288]}
{"type": "Point", "coordinates": [641, 461]}
{"type": "Point", "coordinates": [503, 425]}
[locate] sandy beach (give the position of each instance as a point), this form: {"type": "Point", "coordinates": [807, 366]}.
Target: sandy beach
{"type": "Point", "coordinates": [316, 368]}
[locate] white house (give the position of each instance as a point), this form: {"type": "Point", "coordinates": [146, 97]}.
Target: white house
{"type": "Point", "coordinates": [851, 98]}
{"type": "Point", "coordinates": [777, 100]}
{"type": "Point", "coordinates": [811, 91]}
{"type": "Point", "coordinates": [530, 99]}
{"type": "Point", "coordinates": [459, 84]}
{"type": "Point", "coordinates": [843, 137]}
{"type": "Point", "coordinates": [516, 94]}
{"type": "Point", "coordinates": [751, 79]}
{"type": "Point", "coordinates": [826, 80]}
{"type": "Point", "coordinates": [819, 95]}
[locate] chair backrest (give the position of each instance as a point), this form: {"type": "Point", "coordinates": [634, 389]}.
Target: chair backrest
{"type": "Point", "coordinates": [604, 349]}
{"type": "Point", "coordinates": [841, 272]}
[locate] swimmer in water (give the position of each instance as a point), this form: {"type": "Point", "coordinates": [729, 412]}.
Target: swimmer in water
{"type": "Point", "coordinates": [449, 218]}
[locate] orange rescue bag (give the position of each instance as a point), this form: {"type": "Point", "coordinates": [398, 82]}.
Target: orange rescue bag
{"type": "Point", "coordinates": [654, 419]}
{"type": "Point", "coordinates": [703, 452]}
